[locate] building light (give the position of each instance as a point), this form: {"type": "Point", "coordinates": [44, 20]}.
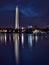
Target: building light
{"type": "Point", "coordinates": [36, 31]}
{"type": "Point", "coordinates": [30, 26]}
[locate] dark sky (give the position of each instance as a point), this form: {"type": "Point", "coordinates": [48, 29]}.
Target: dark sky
{"type": "Point", "coordinates": [32, 12]}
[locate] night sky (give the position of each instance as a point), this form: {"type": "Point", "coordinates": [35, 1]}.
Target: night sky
{"type": "Point", "coordinates": [31, 12]}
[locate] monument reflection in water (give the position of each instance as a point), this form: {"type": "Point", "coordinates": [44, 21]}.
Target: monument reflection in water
{"type": "Point", "coordinates": [13, 36]}
{"type": "Point", "coordinates": [8, 36]}
{"type": "Point", "coordinates": [24, 54]}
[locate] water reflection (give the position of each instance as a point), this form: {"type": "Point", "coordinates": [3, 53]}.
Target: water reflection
{"type": "Point", "coordinates": [13, 37]}
{"type": "Point", "coordinates": [22, 39]}
{"type": "Point", "coordinates": [9, 37]}
{"type": "Point", "coordinates": [46, 37]}
{"type": "Point", "coordinates": [41, 37]}
{"type": "Point", "coordinates": [31, 41]}
{"type": "Point", "coordinates": [36, 38]}
{"type": "Point", "coordinates": [31, 38]}
{"type": "Point", "coordinates": [17, 48]}
{"type": "Point", "coordinates": [5, 38]}
{"type": "Point", "coordinates": [1, 38]}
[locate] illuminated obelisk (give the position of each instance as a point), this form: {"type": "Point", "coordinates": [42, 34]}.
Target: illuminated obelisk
{"type": "Point", "coordinates": [17, 18]}
{"type": "Point", "coordinates": [17, 36]}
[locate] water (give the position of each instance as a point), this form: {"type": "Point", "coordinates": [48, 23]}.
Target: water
{"type": "Point", "coordinates": [33, 49]}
